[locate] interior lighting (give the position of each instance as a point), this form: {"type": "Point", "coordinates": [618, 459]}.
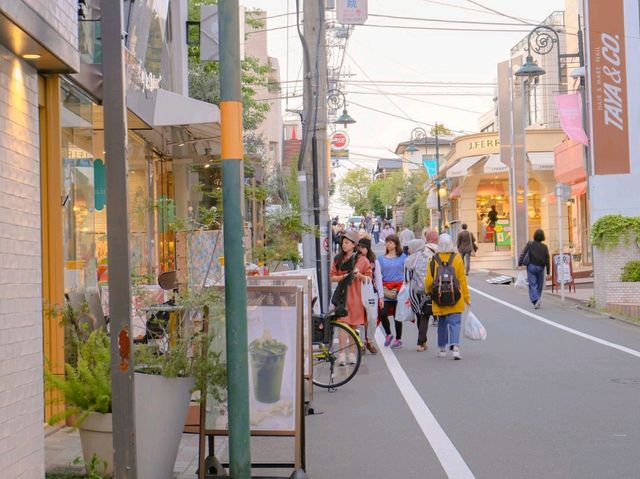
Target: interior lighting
{"type": "Point", "coordinates": [31, 56]}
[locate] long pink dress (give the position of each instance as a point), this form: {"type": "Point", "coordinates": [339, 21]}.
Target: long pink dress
{"type": "Point", "coordinates": [357, 314]}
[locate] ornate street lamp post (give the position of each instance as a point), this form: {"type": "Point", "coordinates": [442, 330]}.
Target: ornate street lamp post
{"type": "Point", "coordinates": [419, 134]}
{"type": "Point", "coordinates": [335, 101]}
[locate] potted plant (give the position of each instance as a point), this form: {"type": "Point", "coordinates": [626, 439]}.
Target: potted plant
{"type": "Point", "coordinates": [168, 370]}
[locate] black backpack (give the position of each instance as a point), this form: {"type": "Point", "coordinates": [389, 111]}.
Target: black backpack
{"type": "Point", "coordinates": [446, 287]}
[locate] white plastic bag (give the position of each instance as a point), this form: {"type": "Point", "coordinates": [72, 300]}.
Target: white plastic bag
{"type": "Point", "coordinates": [369, 300]}
{"type": "Point", "coordinates": [403, 308]}
{"type": "Point", "coordinates": [473, 328]}
{"type": "Point", "coordinates": [521, 280]}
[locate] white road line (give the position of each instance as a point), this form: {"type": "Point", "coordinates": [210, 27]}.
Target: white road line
{"type": "Point", "coordinates": [451, 460]}
{"type": "Point", "coordinates": [586, 336]}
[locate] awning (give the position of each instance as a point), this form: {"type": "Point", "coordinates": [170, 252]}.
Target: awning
{"type": "Point", "coordinates": [578, 189]}
{"type": "Point", "coordinates": [494, 165]}
{"type": "Point", "coordinates": [569, 163]}
{"type": "Point", "coordinates": [461, 168]}
{"type": "Point", "coordinates": [541, 160]}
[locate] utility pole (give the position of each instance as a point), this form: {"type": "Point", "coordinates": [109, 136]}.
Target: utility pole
{"type": "Point", "coordinates": [235, 291]}
{"type": "Point", "coordinates": [314, 172]}
{"type": "Point", "coordinates": [115, 141]}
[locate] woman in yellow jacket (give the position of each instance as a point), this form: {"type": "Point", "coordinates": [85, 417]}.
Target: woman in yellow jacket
{"type": "Point", "coordinates": [449, 317]}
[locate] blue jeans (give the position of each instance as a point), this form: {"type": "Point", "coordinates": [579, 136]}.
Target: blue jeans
{"type": "Point", "coordinates": [535, 275]}
{"type": "Point", "coordinates": [449, 329]}
{"type": "Point", "coordinates": [376, 236]}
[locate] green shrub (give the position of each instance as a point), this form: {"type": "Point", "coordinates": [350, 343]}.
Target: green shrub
{"type": "Point", "coordinates": [631, 272]}
{"type": "Point", "coordinates": [607, 231]}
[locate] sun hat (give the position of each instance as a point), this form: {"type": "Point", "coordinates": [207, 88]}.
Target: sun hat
{"type": "Point", "coordinates": [352, 236]}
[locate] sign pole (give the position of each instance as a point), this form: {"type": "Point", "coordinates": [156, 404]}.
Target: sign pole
{"type": "Point", "coordinates": [560, 268]}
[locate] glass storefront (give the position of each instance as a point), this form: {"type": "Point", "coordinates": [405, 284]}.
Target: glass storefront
{"type": "Point", "coordinates": [84, 197]}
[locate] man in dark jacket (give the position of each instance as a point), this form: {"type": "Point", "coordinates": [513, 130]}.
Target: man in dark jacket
{"type": "Point", "coordinates": [466, 245]}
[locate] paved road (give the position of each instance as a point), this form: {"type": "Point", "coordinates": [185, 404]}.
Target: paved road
{"type": "Point", "coordinates": [552, 393]}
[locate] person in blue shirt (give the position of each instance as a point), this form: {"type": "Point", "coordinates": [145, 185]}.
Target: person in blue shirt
{"type": "Point", "coordinates": [392, 269]}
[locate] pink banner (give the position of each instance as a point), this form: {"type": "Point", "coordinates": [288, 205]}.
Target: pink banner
{"type": "Point", "coordinates": [570, 112]}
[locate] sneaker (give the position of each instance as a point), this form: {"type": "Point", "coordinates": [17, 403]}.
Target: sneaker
{"type": "Point", "coordinates": [456, 353]}
{"type": "Point", "coordinates": [536, 305]}
{"type": "Point", "coordinates": [352, 358]}
{"type": "Point", "coordinates": [396, 344]}
{"type": "Point", "coordinates": [341, 359]}
{"type": "Point", "coordinates": [421, 347]}
{"type": "Point", "coordinates": [442, 353]}
{"type": "Point", "coordinates": [371, 347]}
{"type": "Point", "coordinates": [388, 339]}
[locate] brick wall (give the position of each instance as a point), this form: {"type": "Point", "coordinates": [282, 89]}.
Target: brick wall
{"type": "Point", "coordinates": [62, 15]}
{"type": "Point", "coordinates": [21, 388]}
{"type": "Point", "coordinates": [607, 268]}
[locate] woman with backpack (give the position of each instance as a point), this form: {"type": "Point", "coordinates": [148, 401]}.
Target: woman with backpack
{"type": "Point", "coordinates": [447, 283]}
{"type": "Point", "coordinates": [392, 269]}
{"type": "Point", "coordinates": [349, 269]}
{"type": "Point", "coordinates": [364, 245]}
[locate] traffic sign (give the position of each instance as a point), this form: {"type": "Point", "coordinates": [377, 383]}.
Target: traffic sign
{"type": "Point", "coordinates": [339, 140]}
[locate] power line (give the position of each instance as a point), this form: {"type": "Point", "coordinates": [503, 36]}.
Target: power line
{"type": "Point", "coordinates": [447, 29]}
{"type": "Point", "coordinates": [443, 20]}
{"type": "Point", "coordinates": [501, 14]}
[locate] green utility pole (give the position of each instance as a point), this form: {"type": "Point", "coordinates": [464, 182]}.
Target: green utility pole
{"type": "Point", "coordinates": [115, 141]}
{"type": "Point", "coordinates": [235, 290]}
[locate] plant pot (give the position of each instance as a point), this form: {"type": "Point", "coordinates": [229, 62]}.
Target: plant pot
{"type": "Point", "coordinates": [96, 437]}
{"type": "Point", "coordinates": [161, 406]}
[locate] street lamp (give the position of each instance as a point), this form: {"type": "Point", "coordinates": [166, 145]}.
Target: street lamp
{"type": "Point", "coordinates": [419, 134]}
{"type": "Point", "coordinates": [337, 100]}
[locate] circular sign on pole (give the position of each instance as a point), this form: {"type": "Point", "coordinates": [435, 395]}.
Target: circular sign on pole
{"type": "Point", "coordinates": [339, 140]}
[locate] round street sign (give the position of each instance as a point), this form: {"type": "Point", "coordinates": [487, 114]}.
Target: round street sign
{"type": "Point", "coordinates": [339, 140]}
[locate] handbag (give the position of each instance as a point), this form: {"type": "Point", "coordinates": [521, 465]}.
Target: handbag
{"type": "Point", "coordinates": [389, 293]}
{"type": "Point", "coordinates": [369, 300]}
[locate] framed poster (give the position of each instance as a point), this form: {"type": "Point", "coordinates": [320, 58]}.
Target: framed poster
{"type": "Point", "coordinates": [503, 233]}
{"type": "Point", "coordinates": [562, 271]}
{"type": "Point", "coordinates": [274, 333]}
{"type": "Point", "coordinates": [305, 283]}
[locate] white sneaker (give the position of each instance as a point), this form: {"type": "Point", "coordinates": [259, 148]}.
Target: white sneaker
{"type": "Point", "coordinates": [341, 359]}
{"type": "Point", "coordinates": [442, 353]}
{"type": "Point", "coordinates": [536, 305]}
{"type": "Point", "coordinates": [456, 353]}
{"type": "Point", "coordinates": [352, 358]}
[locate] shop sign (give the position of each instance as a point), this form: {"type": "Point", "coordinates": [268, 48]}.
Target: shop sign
{"type": "Point", "coordinates": [352, 12]}
{"type": "Point", "coordinates": [99, 185]}
{"type": "Point", "coordinates": [608, 86]}
{"type": "Point", "coordinates": [339, 140]}
{"type": "Point", "coordinates": [503, 233]}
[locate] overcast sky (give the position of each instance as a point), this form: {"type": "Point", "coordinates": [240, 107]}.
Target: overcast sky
{"type": "Point", "coordinates": [378, 59]}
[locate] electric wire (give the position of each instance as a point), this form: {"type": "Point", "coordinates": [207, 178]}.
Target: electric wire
{"type": "Point", "coordinates": [501, 14]}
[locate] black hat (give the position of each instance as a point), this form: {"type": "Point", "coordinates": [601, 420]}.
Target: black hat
{"type": "Point", "coordinates": [366, 242]}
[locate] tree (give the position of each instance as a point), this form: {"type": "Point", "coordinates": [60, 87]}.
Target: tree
{"type": "Point", "coordinates": [373, 194]}
{"type": "Point", "coordinates": [354, 187]}
{"type": "Point", "coordinates": [441, 129]}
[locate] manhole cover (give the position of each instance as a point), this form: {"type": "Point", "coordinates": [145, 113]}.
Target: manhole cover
{"type": "Point", "coordinates": [633, 381]}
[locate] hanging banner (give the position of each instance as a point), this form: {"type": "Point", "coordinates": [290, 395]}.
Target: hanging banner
{"type": "Point", "coordinates": [99, 185]}
{"type": "Point", "coordinates": [430, 164]}
{"type": "Point", "coordinates": [570, 112]}
{"type": "Point", "coordinates": [608, 86]}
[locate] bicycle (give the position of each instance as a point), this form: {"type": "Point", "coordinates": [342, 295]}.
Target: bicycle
{"type": "Point", "coordinates": [331, 365]}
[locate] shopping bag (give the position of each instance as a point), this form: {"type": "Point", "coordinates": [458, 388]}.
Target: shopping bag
{"type": "Point", "coordinates": [369, 300]}
{"type": "Point", "coordinates": [404, 312]}
{"type": "Point", "coordinates": [473, 328]}
{"type": "Point", "coordinates": [521, 280]}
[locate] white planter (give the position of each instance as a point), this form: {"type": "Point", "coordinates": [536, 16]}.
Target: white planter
{"type": "Point", "coordinates": [161, 406]}
{"type": "Point", "coordinates": [96, 437]}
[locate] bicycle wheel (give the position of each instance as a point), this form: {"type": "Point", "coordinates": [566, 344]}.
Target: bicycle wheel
{"type": "Point", "coordinates": [334, 365]}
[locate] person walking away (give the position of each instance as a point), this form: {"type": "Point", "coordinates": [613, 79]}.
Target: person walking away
{"type": "Point", "coordinates": [492, 216]}
{"type": "Point", "coordinates": [368, 223]}
{"type": "Point", "coordinates": [386, 231]}
{"type": "Point", "coordinates": [535, 257]}
{"type": "Point", "coordinates": [375, 229]}
{"type": "Point", "coordinates": [415, 271]}
{"type": "Point", "coordinates": [364, 246]}
{"type": "Point", "coordinates": [431, 238]}
{"type": "Point", "coordinates": [466, 246]}
{"type": "Point", "coordinates": [447, 284]}
{"type": "Point", "coordinates": [392, 269]}
{"type": "Point", "coordinates": [349, 270]}
{"type": "Point", "coordinates": [405, 236]}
